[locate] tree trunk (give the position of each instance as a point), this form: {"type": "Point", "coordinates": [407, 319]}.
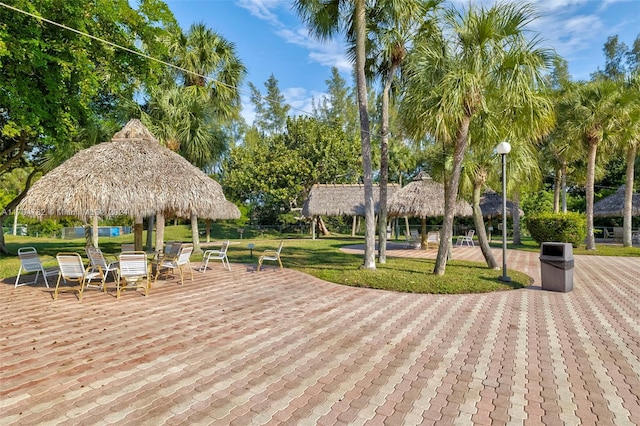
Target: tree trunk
{"type": "Point", "coordinates": [208, 230]}
{"type": "Point", "coordinates": [361, 82]}
{"type": "Point", "coordinates": [483, 241]}
{"type": "Point", "coordinates": [556, 190]}
{"type": "Point", "coordinates": [423, 233]}
{"type": "Point", "coordinates": [591, 166]}
{"type": "Point", "coordinates": [628, 197]}
{"type": "Point", "coordinates": [194, 234]}
{"type": "Point", "coordinates": [94, 231]}
{"type": "Point", "coordinates": [564, 187]}
{"type": "Point", "coordinates": [160, 231]}
{"type": "Point", "coordinates": [313, 227]}
{"type": "Point", "coordinates": [354, 225]}
{"type": "Point", "coordinates": [323, 227]}
{"type": "Point", "coordinates": [150, 226]}
{"type": "Point", "coordinates": [137, 233]}
{"type": "Point", "coordinates": [450, 195]}
{"type": "Point", "coordinates": [515, 215]}
{"type": "Point", "coordinates": [384, 168]}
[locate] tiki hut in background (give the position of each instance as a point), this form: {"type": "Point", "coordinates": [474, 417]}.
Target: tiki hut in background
{"type": "Point", "coordinates": [613, 205]}
{"type": "Point", "coordinates": [339, 200]}
{"type": "Point", "coordinates": [491, 206]}
{"type": "Point", "coordinates": [423, 197]}
{"type": "Point", "coordinates": [227, 211]}
{"type": "Point", "coordinates": [132, 175]}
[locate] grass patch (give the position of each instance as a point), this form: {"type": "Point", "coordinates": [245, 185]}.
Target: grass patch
{"type": "Point", "coordinates": [322, 258]}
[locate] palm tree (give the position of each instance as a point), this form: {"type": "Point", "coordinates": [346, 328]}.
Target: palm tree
{"type": "Point", "coordinates": [393, 26]}
{"type": "Point", "coordinates": [479, 54]}
{"type": "Point", "coordinates": [188, 112]}
{"type": "Point", "coordinates": [589, 113]}
{"type": "Point", "coordinates": [325, 18]}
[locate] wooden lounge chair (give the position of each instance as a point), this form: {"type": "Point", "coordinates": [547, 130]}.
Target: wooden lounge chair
{"type": "Point", "coordinates": [272, 255]}
{"type": "Point", "coordinates": [72, 269]}
{"type": "Point", "coordinates": [133, 270]}
{"type": "Point", "coordinates": [30, 262]}
{"type": "Point", "coordinates": [216, 255]}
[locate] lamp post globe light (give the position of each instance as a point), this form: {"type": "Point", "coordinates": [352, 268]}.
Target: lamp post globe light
{"type": "Point", "coordinates": [503, 149]}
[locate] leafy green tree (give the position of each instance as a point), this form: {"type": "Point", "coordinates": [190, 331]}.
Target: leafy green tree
{"type": "Point", "coordinates": [478, 54]}
{"type": "Point", "coordinates": [55, 81]}
{"type": "Point", "coordinates": [325, 19]}
{"type": "Point", "coordinates": [290, 164]}
{"type": "Point", "coordinates": [271, 110]}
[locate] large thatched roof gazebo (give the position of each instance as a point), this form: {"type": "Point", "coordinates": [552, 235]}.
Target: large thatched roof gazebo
{"type": "Point", "coordinates": [340, 200]}
{"type": "Point", "coordinates": [423, 197]}
{"type": "Point", "coordinates": [613, 205]}
{"type": "Point", "coordinates": [130, 175]}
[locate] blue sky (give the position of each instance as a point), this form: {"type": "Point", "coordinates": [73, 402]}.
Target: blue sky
{"type": "Point", "coordinates": [270, 39]}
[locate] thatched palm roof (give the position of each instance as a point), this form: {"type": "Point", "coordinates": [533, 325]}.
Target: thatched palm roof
{"type": "Point", "coordinates": [613, 205]}
{"type": "Point", "coordinates": [491, 204]}
{"type": "Point", "coordinates": [227, 210]}
{"type": "Point", "coordinates": [131, 175]}
{"type": "Point", "coordinates": [423, 197]}
{"type": "Point", "coordinates": [341, 199]}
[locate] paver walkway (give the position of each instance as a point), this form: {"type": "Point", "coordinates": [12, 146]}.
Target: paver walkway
{"type": "Point", "coordinates": [251, 348]}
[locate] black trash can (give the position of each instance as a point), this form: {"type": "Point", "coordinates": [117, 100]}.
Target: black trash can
{"type": "Point", "coordinates": [556, 266]}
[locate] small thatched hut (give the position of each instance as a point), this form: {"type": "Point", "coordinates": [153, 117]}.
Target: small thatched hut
{"type": "Point", "coordinates": [131, 175]}
{"type": "Point", "coordinates": [613, 205]}
{"type": "Point", "coordinates": [491, 204]}
{"type": "Point", "coordinates": [423, 197]}
{"type": "Point", "coordinates": [340, 200]}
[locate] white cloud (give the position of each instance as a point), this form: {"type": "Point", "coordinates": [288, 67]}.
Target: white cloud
{"type": "Point", "coordinates": [263, 9]}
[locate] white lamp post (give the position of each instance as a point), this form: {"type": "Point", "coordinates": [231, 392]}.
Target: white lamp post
{"type": "Point", "coordinates": [503, 149]}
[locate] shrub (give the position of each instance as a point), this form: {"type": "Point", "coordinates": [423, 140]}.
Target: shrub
{"type": "Point", "coordinates": [565, 228]}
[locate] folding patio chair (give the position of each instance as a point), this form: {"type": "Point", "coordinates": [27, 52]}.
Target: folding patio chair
{"type": "Point", "coordinates": [72, 269]}
{"type": "Point", "coordinates": [98, 263]}
{"type": "Point", "coordinates": [216, 255]}
{"type": "Point", "coordinates": [180, 261]}
{"type": "Point", "coordinates": [466, 239]}
{"type": "Point", "coordinates": [272, 255]}
{"type": "Point", "coordinates": [30, 262]}
{"type": "Point", "coordinates": [433, 237]}
{"type": "Point", "coordinates": [133, 270]}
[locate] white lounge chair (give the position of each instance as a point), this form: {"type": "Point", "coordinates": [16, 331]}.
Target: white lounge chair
{"type": "Point", "coordinates": [180, 261]}
{"type": "Point", "coordinates": [72, 269]}
{"type": "Point", "coordinates": [133, 270]}
{"type": "Point", "coordinates": [433, 238]}
{"type": "Point", "coordinates": [30, 262]}
{"type": "Point", "coordinates": [413, 239]}
{"type": "Point", "coordinates": [272, 255]}
{"type": "Point", "coordinates": [98, 263]}
{"type": "Point", "coordinates": [466, 239]}
{"type": "Point", "coordinates": [216, 255]}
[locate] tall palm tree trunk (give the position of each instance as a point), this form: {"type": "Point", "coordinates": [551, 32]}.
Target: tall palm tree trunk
{"type": "Point", "coordinates": [370, 225]}
{"type": "Point", "coordinates": [384, 169]}
{"type": "Point", "coordinates": [450, 195]}
{"type": "Point", "coordinates": [628, 196]}
{"type": "Point", "coordinates": [591, 166]}
{"type": "Point", "coordinates": [478, 220]}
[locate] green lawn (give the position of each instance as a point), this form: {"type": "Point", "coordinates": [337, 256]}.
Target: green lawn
{"type": "Point", "coordinates": [320, 258]}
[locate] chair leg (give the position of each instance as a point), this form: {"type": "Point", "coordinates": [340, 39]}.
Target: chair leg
{"type": "Point", "coordinates": [55, 292]}
{"type": "Point", "coordinates": [281, 268]}
{"type": "Point", "coordinates": [18, 277]}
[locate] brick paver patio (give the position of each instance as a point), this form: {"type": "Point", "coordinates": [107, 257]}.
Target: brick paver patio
{"type": "Point", "coordinates": [251, 348]}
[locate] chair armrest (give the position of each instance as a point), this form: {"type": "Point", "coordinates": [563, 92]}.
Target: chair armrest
{"type": "Point", "coordinates": [270, 253]}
